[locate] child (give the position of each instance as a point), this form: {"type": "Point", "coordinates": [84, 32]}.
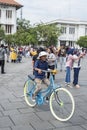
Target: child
{"type": "Point", "coordinates": [40, 64]}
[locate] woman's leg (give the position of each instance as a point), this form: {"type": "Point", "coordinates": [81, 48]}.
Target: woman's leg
{"type": "Point", "coordinates": [76, 75]}
{"type": "Point", "coordinates": [68, 75]}
{"type": "Point", "coordinates": [38, 86]}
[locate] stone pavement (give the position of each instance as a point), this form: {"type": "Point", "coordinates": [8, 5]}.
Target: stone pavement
{"type": "Point", "coordinates": [15, 114]}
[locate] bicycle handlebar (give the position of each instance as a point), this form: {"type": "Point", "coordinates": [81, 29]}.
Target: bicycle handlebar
{"type": "Point", "coordinates": [50, 70]}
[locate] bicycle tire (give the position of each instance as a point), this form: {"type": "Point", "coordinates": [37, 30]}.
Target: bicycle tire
{"type": "Point", "coordinates": [28, 93]}
{"type": "Point", "coordinates": [62, 104]}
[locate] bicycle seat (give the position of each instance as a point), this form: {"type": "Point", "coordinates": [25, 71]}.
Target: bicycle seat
{"type": "Point", "coordinates": [32, 77]}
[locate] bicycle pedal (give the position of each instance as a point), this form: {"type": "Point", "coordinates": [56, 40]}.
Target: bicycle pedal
{"type": "Point", "coordinates": [47, 98]}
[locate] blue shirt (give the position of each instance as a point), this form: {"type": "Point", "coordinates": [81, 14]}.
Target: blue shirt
{"type": "Point", "coordinates": [43, 65]}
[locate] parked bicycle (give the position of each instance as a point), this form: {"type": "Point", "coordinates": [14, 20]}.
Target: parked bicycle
{"type": "Point", "coordinates": [61, 101]}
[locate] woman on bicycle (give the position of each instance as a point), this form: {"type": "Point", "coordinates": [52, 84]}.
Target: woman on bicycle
{"type": "Point", "coordinates": [40, 64]}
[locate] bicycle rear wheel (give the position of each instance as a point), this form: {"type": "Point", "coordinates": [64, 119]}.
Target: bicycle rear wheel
{"type": "Point", "coordinates": [62, 104]}
{"type": "Point", "coordinates": [28, 90]}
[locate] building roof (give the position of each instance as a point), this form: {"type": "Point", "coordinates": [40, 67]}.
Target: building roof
{"type": "Point", "coordinates": [11, 3]}
{"type": "Point", "coordinates": [68, 21]}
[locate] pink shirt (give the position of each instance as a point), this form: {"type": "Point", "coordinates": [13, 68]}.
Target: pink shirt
{"type": "Point", "coordinates": [69, 61]}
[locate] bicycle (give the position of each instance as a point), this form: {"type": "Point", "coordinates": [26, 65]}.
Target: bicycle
{"type": "Point", "coordinates": [61, 101]}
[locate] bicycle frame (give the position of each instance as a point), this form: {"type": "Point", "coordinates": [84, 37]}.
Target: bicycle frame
{"type": "Point", "coordinates": [40, 98]}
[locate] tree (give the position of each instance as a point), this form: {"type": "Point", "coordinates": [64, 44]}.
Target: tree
{"type": "Point", "coordinates": [82, 42]}
{"type": "Point", "coordinates": [2, 34]}
{"type": "Point", "coordinates": [9, 39]}
{"type": "Point", "coordinates": [48, 34]}
{"type": "Point", "coordinates": [37, 35]}
{"type": "Point", "coordinates": [25, 34]}
{"type": "Point", "coordinates": [23, 24]}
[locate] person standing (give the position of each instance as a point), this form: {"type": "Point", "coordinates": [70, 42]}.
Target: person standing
{"type": "Point", "coordinates": [72, 60]}
{"type": "Point", "coordinates": [2, 58]}
{"type": "Point", "coordinates": [69, 64]}
{"type": "Point", "coordinates": [62, 57]}
{"type": "Point", "coordinates": [51, 61]}
{"type": "Point", "coordinates": [76, 67]}
{"type": "Point", "coordinates": [8, 52]}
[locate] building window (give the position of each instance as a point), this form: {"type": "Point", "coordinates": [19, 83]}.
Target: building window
{"type": "Point", "coordinates": [8, 13]}
{"type": "Point", "coordinates": [86, 31]}
{"type": "Point", "coordinates": [8, 29]}
{"type": "Point", "coordinates": [71, 30]}
{"type": "Point", "coordinates": [0, 13]}
{"type": "Point", "coordinates": [63, 30]}
{"type": "Point", "coordinates": [71, 43]}
{"type": "Point", "coordinates": [62, 43]}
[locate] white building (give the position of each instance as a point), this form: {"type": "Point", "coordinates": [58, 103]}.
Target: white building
{"type": "Point", "coordinates": [71, 31]}
{"type": "Point", "coordinates": [8, 12]}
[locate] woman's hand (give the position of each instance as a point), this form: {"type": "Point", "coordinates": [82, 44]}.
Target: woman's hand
{"type": "Point", "coordinates": [39, 71]}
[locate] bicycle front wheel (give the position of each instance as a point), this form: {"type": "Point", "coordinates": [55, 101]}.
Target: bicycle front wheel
{"type": "Point", "coordinates": [28, 90]}
{"type": "Point", "coordinates": [62, 104]}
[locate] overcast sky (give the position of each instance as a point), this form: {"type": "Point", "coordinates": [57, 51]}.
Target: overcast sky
{"type": "Point", "coordinates": [48, 10]}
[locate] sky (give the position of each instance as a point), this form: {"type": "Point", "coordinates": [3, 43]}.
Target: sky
{"type": "Point", "coordinates": [37, 11]}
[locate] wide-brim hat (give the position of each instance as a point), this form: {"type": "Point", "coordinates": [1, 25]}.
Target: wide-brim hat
{"type": "Point", "coordinates": [42, 53]}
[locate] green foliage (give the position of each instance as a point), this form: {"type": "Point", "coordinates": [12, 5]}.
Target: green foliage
{"type": "Point", "coordinates": [23, 24]}
{"type": "Point", "coordinates": [37, 35]}
{"type": "Point", "coordinates": [9, 39]}
{"type": "Point", "coordinates": [48, 34]}
{"type": "Point", "coordinates": [2, 34]}
{"type": "Point", "coordinates": [82, 42]}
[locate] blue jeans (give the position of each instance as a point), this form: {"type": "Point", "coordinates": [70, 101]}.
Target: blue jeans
{"type": "Point", "coordinates": [68, 75]}
{"type": "Point", "coordinates": [76, 75]}
{"type": "Point", "coordinates": [62, 63]}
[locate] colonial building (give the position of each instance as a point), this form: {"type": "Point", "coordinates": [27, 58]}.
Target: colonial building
{"type": "Point", "coordinates": [8, 12]}
{"type": "Point", "coordinates": [71, 31]}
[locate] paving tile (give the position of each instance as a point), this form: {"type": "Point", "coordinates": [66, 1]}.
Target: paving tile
{"type": "Point", "coordinates": [25, 118]}
{"type": "Point", "coordinates": [15, 114]}
{"type": "Point", "coordinates": [22, 127]}
{"type": "Point", "coordinates": [60, 124]}
{"type": "Point", "coordinates": [11, 112]}
{"type": "Point", "coordinates": [45, 115]}
{"type": "Point", "coordinates": [5, 128]}
{"type": "Point", "coordinates": [78, 120]}
{"type": "Point", "coordinates": [71, 128]}
{"type": "Point", "coordinates": [84, 126]}
{"type": "Point", "coordinates": [26, 110]}
{"type": "Point", "coordinates": [5, 122]}
{"type": "Point", "coordinates": [1, 114]}
{"type": "Point", "coordinates": [42, 125]}
{"type": "Point", "coordinates": [13, 105]}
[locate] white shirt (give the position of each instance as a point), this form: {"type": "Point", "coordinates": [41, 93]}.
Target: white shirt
{"type": "Point", "coordinates": [51, 59]}
{"type": "Point", "coordinates": [76, 63]}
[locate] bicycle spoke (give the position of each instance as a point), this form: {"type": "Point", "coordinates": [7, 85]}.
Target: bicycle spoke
{"type": "Point", "coordinates": [62, 104]}
{"type": "Point", "coordinates": [28, 89]}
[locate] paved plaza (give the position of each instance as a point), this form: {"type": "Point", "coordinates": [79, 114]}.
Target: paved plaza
{"type": "Point", "coordinates": [15, 114]}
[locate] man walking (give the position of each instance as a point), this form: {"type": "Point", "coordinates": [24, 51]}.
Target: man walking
{"type": "Point", "coordinates": [2, 58]}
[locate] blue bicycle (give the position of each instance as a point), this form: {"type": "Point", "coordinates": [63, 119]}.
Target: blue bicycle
{"type": "Point", "coordinates": [61, 101]}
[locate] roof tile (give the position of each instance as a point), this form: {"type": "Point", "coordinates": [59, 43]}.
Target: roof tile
{"type": "Point", "coordinates": [11, 2]}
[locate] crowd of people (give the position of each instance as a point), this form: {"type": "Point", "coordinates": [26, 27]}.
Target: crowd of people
{"type": "Point", "coordinates": [68, 58]}
{"type": "Point", "coordinates": [10, 54]}
{"type": "Point", "coordinates": [48, 58]}
{"type": "Point", "coordinates": [43, 58]}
